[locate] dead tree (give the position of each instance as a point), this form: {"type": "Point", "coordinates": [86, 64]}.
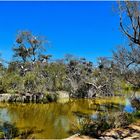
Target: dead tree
{"type": "Point", "coordinates": [130, 20]}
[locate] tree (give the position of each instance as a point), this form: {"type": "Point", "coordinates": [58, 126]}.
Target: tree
{"type": "Point", "coordinates": [128, 58]}
{"type": "Point", "coordinates": [55, 74]}
{"type": "Point", "coordinates": [79, 71]}
{"type": "Point", "coordinates": [128, 62]}
{"type": "Point", "coordinates": [29, 50]}
{"type": "Point", "coordinates": [28, 46]}
{"type": "Point", "coordinates": [130, 20]}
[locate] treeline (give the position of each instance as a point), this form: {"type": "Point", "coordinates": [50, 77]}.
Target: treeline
{"type": "Point", "coordinates": [32, 71]}
{"type": "Point", "coordinates": [35, 73]}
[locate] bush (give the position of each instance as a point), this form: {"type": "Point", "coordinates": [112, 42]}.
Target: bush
{"type": "Point", "coordinates": [103, 122]}
{"type": "Point", "coordinates": [51, 97]}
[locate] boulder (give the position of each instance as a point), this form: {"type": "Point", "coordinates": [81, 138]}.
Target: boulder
{"type": "Point", "coordinates": [5, 97]}
{"type": "Point", "coordinates": [62, 94]}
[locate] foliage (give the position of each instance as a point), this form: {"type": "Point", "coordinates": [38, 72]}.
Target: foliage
{"type": "Point", "coordinates": [127, 57]}
{"type": "Point", "coordinates": [8, 131]}
{"type": "Point", "coordinates": [28, 46]}
{"type": "Point", "coordinates": [78, 72]}
{"type": "Point", "coordinates": [103, 122]}
{"type": "Point", "coordinates": [55, 73]}
{"type": "Point", "coordinates": [11, 131]}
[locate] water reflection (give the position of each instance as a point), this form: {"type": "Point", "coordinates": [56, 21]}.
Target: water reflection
{"type": "Point", "coordinates": [3, 115]}
{"type": "Point", "coordinates": [128, 107]}
{"type": "Point", "coordinates": [55, 120]}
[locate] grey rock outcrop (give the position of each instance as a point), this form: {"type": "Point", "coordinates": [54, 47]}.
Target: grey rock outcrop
{"type": "Point", "coordinates": [23, 98]}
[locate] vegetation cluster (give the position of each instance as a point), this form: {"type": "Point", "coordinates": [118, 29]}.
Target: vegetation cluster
{"type": "Point", "coordinates": [32, 70]}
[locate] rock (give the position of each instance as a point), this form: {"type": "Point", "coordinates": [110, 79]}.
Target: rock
{"type": "Point", "coordinates": [79, 137]}
{"type": "Point", "coordinates": [28, 98]}
{"type": "Point", "coordinates": [128, 133]}
{"type": "Point", "coordinates": [7, 97]}
{"type": "Point", "coordinates": [62, 94]}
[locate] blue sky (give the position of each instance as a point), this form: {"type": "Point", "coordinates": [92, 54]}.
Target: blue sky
{"type": "Point", "coordinates": [84, 29]}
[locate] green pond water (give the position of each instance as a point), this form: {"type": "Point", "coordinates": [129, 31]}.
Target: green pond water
{"type": "Point", "coordinates": [55, 120]}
